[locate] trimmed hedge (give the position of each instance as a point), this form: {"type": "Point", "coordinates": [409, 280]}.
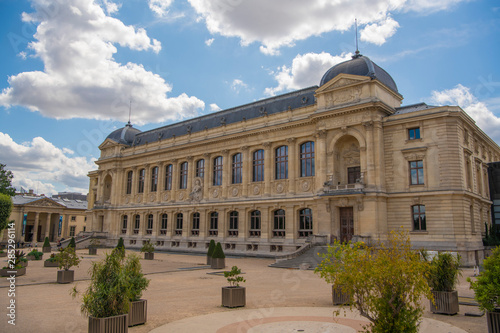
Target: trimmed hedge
{"type": "Point", "coordinates": [218, 253]}
{"type": "Point", "coordinates": [211, 248]}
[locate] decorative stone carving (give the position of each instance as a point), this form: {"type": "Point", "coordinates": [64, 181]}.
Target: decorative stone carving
{"type": "Point", "coordinates": [127, 200]}
{"type": "Point", "coordinates": [359, 202]}
{"type": "Point", "coordinates": [181, 196]}
{"type": "Point", "coordinates": [215, 193]}
{"type": "Point", "coordinates": [256, 189]}
{"type": "Point", "coordinates": [234, 191]}
{"type": "Point", "coordinates": [165, 197]}
{"type": "Point", "coordinates": [280, 188]}
{"type": "Point", "coordinates": [305, 186]}
{"type": "Point", "coordinates": [351, 155]}
{"type": "Point", "coordinates": [197, 193]}
{"type": "Point", "coordinates": [343, 202]}
{"type": "Point", "coordinates": [343, 82]}
{"type": "Point", "coordinates": [152, 197]}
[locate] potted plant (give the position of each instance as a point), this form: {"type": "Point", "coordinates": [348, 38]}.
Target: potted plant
{"type": "Point", "coordinates": [234, 295]}
{"type": "Point", "coordinates": [34, 255]}
{"type": "Point", "coordinates": [487, 290]}
{"type": "Point", "coordinates": [94, 243]}
{"type": "Point", "coordinates": [329, 269]}
{"type": "Point", "coordinates": [137, 313]}
{"type": "Point", "coordinates": [211, 248]}
{"type": "Point", "coordinates": [120, 244]}
{"type": "Point", "coordinates": [444, 271]}
{"type": "Point", "coordinates": [20, 258]}
{"type": "Point", "coordinates": [46, 248]}
{"type": "Point", "coordinates": [51, 261]}
{"type": "Point", "coordinates": [218, 258]}
{"type": "Point", "coordinates": [72, 243]}
{"type": "Point", "coordinates": [3, 254]}
{"type": "Point", "coordinates": [148, 248]}
{"type": "Point", "coordinates": [14, 266]}
{"type": "Point", "coordinates": [66, 258]}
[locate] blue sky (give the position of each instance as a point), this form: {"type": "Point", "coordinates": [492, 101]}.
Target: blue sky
{"type": "Point", "coordinates": [71, 67]}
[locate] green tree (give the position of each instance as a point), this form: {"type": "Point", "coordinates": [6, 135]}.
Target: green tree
{"type": "Point", "coordinates": [72, 243]}
{"type": "Point", "coordinates": [6, 181]}
{"type": "Point", "coordinates": [5, 210]}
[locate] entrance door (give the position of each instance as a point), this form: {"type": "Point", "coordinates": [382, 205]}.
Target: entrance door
{"type": "Point", "coordinates": [346, 224]}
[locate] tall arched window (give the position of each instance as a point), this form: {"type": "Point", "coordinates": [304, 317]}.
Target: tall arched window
{"type": "Point", "coordinates": [233, 224]}
{"type": "Point", "coordinates": [130, 176]}
{"type": "Point", "coordinates": [183, 176]}
{"type": "Point", "coordinates": [178, 224]}
{"type": "Point", "coordinates": [168, 177]}
{"type": "Point", "coordinates": [307, 159]}
{"type": "Point", "coordinates": [305, 222]}
{"type": "Point", "coordinates": [236, 170]}
{"type": "Point", "coordinates": [154, 179]}
{"type": "Point", "coordinates": [419, 222]}
{"type": "Point", "coordinates": [137, 224]}
{"type": "Point", "coordinates": [281, 163]}
{"type": "Point", "coordinates": [200, 168]}
{"type": "Point", "coordinates": [255, 223]}
{"type": "Point", "coordinates": [279, 223]}
{"type": "Point", "coordinates": [195, 230]}
{"type": "Point", "coordinates": [124, 224]}
{"type": "Point", "coordinates": [164, 222]}
{"type": "Point", "coordinates": [258, 166]}
{"type": "Point", "coordinates": [149, 229]}
{"type": "Point", "coordinates": [142, 175]}
{"type": "Point", "coordinates": [217, 171]}
{"type": "Point", "coordinates": [214, 224]}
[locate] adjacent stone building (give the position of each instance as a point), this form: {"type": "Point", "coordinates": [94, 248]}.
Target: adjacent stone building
{"type": "Point", "coordinates": [342, 160]}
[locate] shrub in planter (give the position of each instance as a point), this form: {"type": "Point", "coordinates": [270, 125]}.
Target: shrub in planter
{"type": "Point", "coordinates": [46, 248]}
{"type": "Point", "coordinates": [121, 244]}
{"type": "Point", "coordinates": [51, 261]}
{"type": "Point", "coordinates": [443, 276]}
{"type": "Point", "coordinates": [3, 254]}
{"type": "Point", "coordinates": [94, 243]}
{"type": "Point", "coordinates": [72, 243]}
{"type": "Point", "coordinates": [137, 314]}
{"type": "Point", "coordinates": [148, 248]}
{"type": "Point", "coordinates": [34, 255]}
{"type": "Point", "coordinates": [66, 258]}
{"type": "Point", "coordinates": [218, 257]}
{"type": "Point", "coordinates": [17, 266]}
{"type": "Point", "coordinates": [487, 290]}
{"type": "Point", "coordinates": [211, 248]}
{"type": "Point", "coordinates": [234, 295]}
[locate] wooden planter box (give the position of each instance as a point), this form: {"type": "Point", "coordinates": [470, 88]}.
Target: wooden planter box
{"type": "Point", "coordinates": [31, 257]}
{"type": "Point", "coordinates": [24, 263]}
{"type": "Point", "coordinates": [92, 251]}
{"type": "Point", "coordinates": [218, 263]}
{"type": "Point", "coordinates": [149, 255]}
{"type": "Point", "coordinates": [446, 302]}
{"type": "Point", "coordinates": [50, 264]}
{"type": "Point", "coordinates": [9, 272]}
{"type": "Point", "coordinates": [209, 260]}
{"type": "Point", "coordinates": [233, 297]}
{"type": "Point", "coordinates": [46, 249]}
{"type": "Point", "coordinates": [493, 319]}
{"type": "Point", "coordinates": [138, 312]}
{"type": "Point", "coordinates": [339, 297]}
{"type": "Point", "coordinates": [65, 276]}
{"type": "Point", "coordinates": [115, 324]}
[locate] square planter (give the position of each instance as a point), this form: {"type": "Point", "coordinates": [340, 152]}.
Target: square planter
{"type": "Point", "coordinates": [149, 255]}
{"type": "Point", "coordinates": [50, 264]}
{"type": "Point", "coordinates": [339, 297]}
{"type": "Point", "coordinates": [493, 319]}
{"type": "Point", "coordinates": [92, 251]}
{"type": "Point", "coordinates": [32, 257]}
{"type": "Point", "coordinates": [446, 302]}
{"type": "Point", "coordinates": [233, 297]}
{"type": "Point", "coordinates": [9, 272]}
{"type": "Point", "coordinates": [115, 324]}
{"type": "Point", "coordinates": [24, 263]}
{"type": "Point", "coordinates": [65, 276]}
{"type": "Point", "coordinates": [138, 312]}
{"type": "Point", "coordinates": [218, 263]}
{"type": "Point", "coordinates": [46, 249]}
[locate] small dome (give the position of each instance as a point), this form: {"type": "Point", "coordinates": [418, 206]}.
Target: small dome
{"type": "Point", "coordinates": [125, 135]}
{"type": "Point", "coordinates": [360, 65]}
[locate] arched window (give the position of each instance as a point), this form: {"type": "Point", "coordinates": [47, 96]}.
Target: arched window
{"type": "Point", "coordinates": [168, 177]}
{"type": "Point", "coordinates": [130, 176]}
{"type": "Point", "coordinates": [137, 224]}
{"type": "Point", "coordinates": [281, 163]}
{"type": "Point", "coordinates": [258, 166]}
{"type": "Point", "coordinates": [214, 224]}
{"type": "Point", "coordinates": [142, 175]}
{"type": "Point", "coordinates": [195, 230]}
{"type": "Point", "coordinates": [237, 165]}
{"type": "Point", "coordinates": [200, 168]}
{"type": "Point", "coordinates": [183, 176]}
{"type": "Point", "coordinates": [124, 224]}
{"type": "Point", "coordinates": [279, 223]}
{"type": "Point", "coordinates": [164, 221]}
{"type": "Point", "coordinates": [419, 222]}
{"type": "Point", "coordinates": [255, 223]}
{"type": "Point", "coordinates": [154, 179]}
{"type": "Point", "coordinates": [305, 222]}
{"type": "Point", "coordinates": [217, 171]}
{"type": "Point", "coordinates": [178, 224]}
{"type": "Point", "coordinates": [307, 159]}
{"type": "Point", "coordinates": [149, 229]}
{"type": "Point", "coordinates": [233, 224]}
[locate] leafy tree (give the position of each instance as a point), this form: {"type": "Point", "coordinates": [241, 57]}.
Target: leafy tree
{"type": "Point", "coordinates": [233, 276]}
{"type": "Point", "coordinates": [138, 283]}
{"type": "Point", "coordinates": [385, 283]}
{"type": "Point", "coordinates": [5, 210]}
{"type": "Point", "coordinates": [67, 258]}
{"type": "Point", "coordinates": [6, 181]}
{"type": "Point", "coordinates": [487, 285]}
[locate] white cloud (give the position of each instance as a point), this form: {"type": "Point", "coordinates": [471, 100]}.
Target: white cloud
{"type": "Point", "coordinates": [81, 79]}
{"type": "Point", "coordinates": [462, 96]}
{"type": "Point", "coordinates": [378, 33]}
{"type": "Point", "coordinates": [41, 166]}
{"type": "Point", "coordinates": [160, 7]}
{"type": "Point", "coordinates": [214, 107]}
{"type": "Point", "coordinates": [111, 7]}
{"type": "Point", "coordinates": [237, 85]}
{"type": "Point", "coordinates": [209, 41]}
{"type": "Point", "coordinates": [279, 23]}
{"type": "Point", "coordinates": [306, 71]}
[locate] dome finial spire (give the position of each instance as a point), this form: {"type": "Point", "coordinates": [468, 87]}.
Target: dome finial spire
{"type": "Point", "coordinates": [129, 124]}
{"type": "Point", "coordinates": [356, 54]}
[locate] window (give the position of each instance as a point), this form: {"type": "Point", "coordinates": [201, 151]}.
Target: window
{"type": "Point", "coordinates": [124, 224]}
{"type": "Point", "coordinates": [130, 175]}
{"type": "Point", "coordinates": [416, 172]}
{"type": "Point", "coordinates": [164, 221]}
{"type": "Point", "coordinates": [353, 175]}
{"type": "Point", "coordinates": [237, 165]}
{"type": "Point", "coordinates": [279, 223]}
{"type": "Point", "coordinates": [183, 175]}
{"type": "Point", "coordinates": [258, 166]}
{"type": "Point", "coordinates": [468, 172]}
{"type": "Point", "coordinates": [282, 162]}
{"type": "Point", "coordinates": [214, 224]}
{"type": "Point", "coordinates": [414, 133]}
{"type": "Point", "coordinates": [149, 230]}
{"type": "Point", "coordinates": [255, 223]}
{"type": "Point", "coordinates": [200, 168]}
{"type": "Point", "coordinates": [154, 179]}
{"type": "Point", "coordinates": [137, 224]}
{"type": "Point", "coordinates": [233, 224]}
{"type": "Point", "coordinates": [178, 224]}
{"type": "Point", "coordinates": [73, 218]}
{"type": "Point", "coordinates": [142, 175]}
{"type": "Point", "coordinates": [307, 159]}
{"type": "Point", "coordinates": [217, 171]}
{"type": "Point", "coordinates": [418, 212]}
{"type": "Point", "coordinates": [72, 231]}
{"type": "Point", "coordinates": [168, 177]}
{"type": "Point", "coordinates": [305, 223]}
{"type": "Point", "coordinates": [472, 222]}
{"type": "Point", "coordinates": [195, 231]}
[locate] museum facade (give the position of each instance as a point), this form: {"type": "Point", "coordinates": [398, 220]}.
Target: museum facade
{"type": "Point", "coordinates": [342, 160]}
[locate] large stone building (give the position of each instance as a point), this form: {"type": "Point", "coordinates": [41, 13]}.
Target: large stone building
{"type": "Point", "coordinates": [340, 161]}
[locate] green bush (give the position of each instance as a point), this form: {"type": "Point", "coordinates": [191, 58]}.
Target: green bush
{"type": "Point", "coordinates": [211, 248]}
{"type": "Point", "coordinates": [72, 243]}
{"type": "Point", "coordinates": [444, 272]}
{"type": "Point", "coordinates": [120, 244]}
{"type": "Point", "coordinates": [148, 247]}
{"type": "Point", "coordinates": [52, 258]}
{"type": "Point", "coordinates": [5, 210]}
{"type": "Point", "coordinates": [487, 285]}
{"type": "Point", "coordinates": [138, 283]}
{"type": "Point", "coordinates": [46, 243]}
{"type": "Point", "coordinates": [233, 277]}
{"type": "Point", "coordinates": [67, 258]}
{"type": "Point", "coordinates": [35, 253]}
{"type": "Point", "coordinates": [218, 253]}
{"type": "Point", "coordinates": [491, 237]}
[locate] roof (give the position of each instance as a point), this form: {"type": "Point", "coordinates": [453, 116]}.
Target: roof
{"type": "Point", "coordinates": [413, 108]}
{"type": "Point", "coordinates": [19, 200]}
{"type": "Point", "coordinates": [124, 135]}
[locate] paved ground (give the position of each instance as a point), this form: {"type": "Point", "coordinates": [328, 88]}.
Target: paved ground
{"type": "Point", "coordinates": [184, 296]}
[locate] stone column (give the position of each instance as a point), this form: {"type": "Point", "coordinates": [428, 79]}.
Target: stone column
{"type": "Point", "coordinates": [35, 228]}
{"type": "Point", "coordinates": [242, 223]}
{"type": "Point", "coordinates": [265, 225]}
{"type": "Point", "coordinates": [293, 162]}
{"type": "Point", "coordinates": [379, 153]}
{"type": "Point", "coordinates": [246, 170]}
{"type": "Point", "coordinates": [206, 176]}
{"type": "Point", "coordinates": [190, 175]}
{"type": "Point", "coordinates": [370, 166]}
{"type": "Point", "coordinates": [226, 172]}
{"type": "Point", "coordinates": [320, 156]}
{"type": "Point", "coordinates": [268, 168]}
{"type": "Point", "coordinates": [147, 183]}
{"type": "Point", "coordinates": [161, 181]}
{"type": "Point", "coordinates": [175, 179]}
{"type": "Point", "coordinates": [47, 227]}
{"type": "Point", "coordinates": [290, 223]}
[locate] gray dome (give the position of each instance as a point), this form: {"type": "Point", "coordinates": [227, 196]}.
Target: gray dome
{"type": "Point", "coordinates": [125, 135]}
{"type": "Point", "coordinates": [360, 65]}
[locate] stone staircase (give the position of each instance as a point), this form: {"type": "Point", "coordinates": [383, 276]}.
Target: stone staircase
{"type": "Point", "coordinates": [308, 259]}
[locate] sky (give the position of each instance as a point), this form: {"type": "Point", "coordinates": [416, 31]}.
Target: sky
{"type": "Point", "coordinates": [71, 70]}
